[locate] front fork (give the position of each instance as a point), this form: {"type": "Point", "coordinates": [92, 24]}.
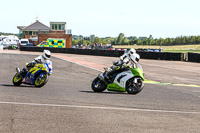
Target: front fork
{"type": "Point", "coordinates": [18, 71]}
{"type": "Point", "coordinates": [101, 77]}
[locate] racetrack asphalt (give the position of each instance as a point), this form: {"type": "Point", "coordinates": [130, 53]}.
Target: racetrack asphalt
{"type": "Point", "coordinates": [67, 104]}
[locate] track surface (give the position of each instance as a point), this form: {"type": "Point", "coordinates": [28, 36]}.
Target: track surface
{"type": "Point", "coordinates": [67, 104]}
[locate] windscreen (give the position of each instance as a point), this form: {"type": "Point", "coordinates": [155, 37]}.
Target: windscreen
{"type": "Point", "coordinates": [24, 41]}
{"type": "Point", "coordinates": [140, 66]}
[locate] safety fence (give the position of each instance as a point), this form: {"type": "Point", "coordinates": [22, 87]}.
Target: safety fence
{"type": "Point", "coordinates": [117, 53]}
{"type": "Point", "coordinates": [193, 57]}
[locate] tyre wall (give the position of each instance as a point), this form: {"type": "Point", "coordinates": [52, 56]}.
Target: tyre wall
{"type": "Point", "coordinates": [193, 57]}
{"type": "Point", "coordinates": [111, 53]}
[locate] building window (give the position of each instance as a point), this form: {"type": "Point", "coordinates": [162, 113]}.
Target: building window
{"type": "Point", "coordinates": [53, 26]}
{"type": "Point", "coordinates": [34, 33]}
{"type": "Point", "coordinates": [30, 33]}
{"type": "Point", "coordinates": [62, 27]}
{"type": "Point", "coordinates": [59, 27]}
{"type": "Point", "coordinates": [26, 32]}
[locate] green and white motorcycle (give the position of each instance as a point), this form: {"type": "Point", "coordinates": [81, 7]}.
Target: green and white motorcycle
{"type": "Point", "coordinates": [130, 81]}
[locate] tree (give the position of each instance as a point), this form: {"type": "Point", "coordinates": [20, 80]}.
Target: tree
{"type": "Point", "coordinates": [132, 38]}
{"type": "Point", "coordinates": [97, 40]}
{"type": "Point", "coordinates": [92, 38]}
{"type": "Point", "coordinates": [120, 39]}
{"type": "Point", "coordinates": [125, 41]}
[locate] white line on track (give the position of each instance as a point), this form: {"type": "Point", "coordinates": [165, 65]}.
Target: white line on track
{"type": "Point", "coordinates": [100, 107]}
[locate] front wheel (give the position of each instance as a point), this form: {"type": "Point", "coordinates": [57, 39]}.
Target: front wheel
{"type": "Point", "coordinates": [98, 85]}
{"type": "Point", "coordinates": [134, 88]}
{"type": "Point", "coordinates": [41, 80]}
{"type": "Point", "coordinates": [17, 80]}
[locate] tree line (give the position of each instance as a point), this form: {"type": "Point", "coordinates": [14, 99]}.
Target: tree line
{"type": "Point", "coordinates": [132, 40]}
{"type": "Point", "coordinates": [6, 34]}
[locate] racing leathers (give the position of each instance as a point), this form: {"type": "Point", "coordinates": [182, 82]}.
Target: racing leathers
{"type": "Point", "coordinates": [122, 64]}
{"type": "Point", "coordinates": [38, 60]}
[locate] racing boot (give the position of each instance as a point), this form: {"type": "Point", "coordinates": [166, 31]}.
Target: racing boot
{"type": "Point", "coordinates": [23, 72]}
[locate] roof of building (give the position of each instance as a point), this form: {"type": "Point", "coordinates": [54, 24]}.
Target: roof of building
{"type": "Point", "coordinates": [57, 22]}
{"type": "Point", "coordinates": [35, 26]}
{"type": "Point", "coordinates": [21, 27]}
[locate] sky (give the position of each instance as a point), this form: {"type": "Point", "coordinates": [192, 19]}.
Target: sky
{"type": "Point", "coordinates": [106, 18]}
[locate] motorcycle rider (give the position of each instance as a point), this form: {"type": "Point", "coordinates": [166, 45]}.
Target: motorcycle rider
{"type": "Point", "coordinates": [125, 57]}
{"type": "Point", "coordinates": [41, 59]}
{"type": "Point", "coordinates": [127, 60]}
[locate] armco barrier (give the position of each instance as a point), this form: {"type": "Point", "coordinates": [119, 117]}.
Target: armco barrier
{"type": "Point", "coordinates": [111, 53]}
{"type": "Point", "coordinates": [193, 57]}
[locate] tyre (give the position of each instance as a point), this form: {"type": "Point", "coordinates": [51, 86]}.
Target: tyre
{"type": "Point", "coordinates": [17, 80]}
{"type": "Point", "coordinates": [98, 85]}
{"type": "Point", "coordinates": [41, 81]}
{"type": "Point", "coordinates": [134, 88]}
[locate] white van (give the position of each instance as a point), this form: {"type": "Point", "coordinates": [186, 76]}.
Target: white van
{"type": "Point", "coordinates": [23, 42]}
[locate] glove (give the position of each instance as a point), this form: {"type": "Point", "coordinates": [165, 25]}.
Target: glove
{"type": "Point", "coordinates": [118, 63]}
{"type": "Point", "coordinates": [32, 64]}
{"type": "Point", "coordinates": [37, 60]}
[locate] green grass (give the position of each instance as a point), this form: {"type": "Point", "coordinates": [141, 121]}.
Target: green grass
{"type": "Point", "coordinates": [182, 51]}
{"type": "Point", "coordinates": [175, 48]}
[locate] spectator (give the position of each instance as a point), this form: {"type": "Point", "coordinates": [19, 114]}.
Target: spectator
{"type": "Point", "coordinates": [92, 46]}
{"type": "Point", "coordinates": [96, 45]}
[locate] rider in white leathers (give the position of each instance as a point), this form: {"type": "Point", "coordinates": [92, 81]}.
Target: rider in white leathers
{"type": "Point", "coordinates": [127, 60]}
{"type": "Point", "coordinates": [42, 59]}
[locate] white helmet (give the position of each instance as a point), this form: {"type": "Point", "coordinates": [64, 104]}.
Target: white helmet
{"type": "Point", "coordinates": [135, 57]}
{"type": "Point", "coordinates": [132, 51]}
{"type": "Point", "coordinates": [46, 54]}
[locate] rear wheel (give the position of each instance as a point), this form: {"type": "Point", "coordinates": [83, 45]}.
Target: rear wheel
{"type": "Point", "coordinates": [98, 85]}
{"type": "Point", "coordinates": [41, 80]}
{"type": "Point", "coordinates": [17, 80]}
{"type": "Point", "coordinates": [134, 88]}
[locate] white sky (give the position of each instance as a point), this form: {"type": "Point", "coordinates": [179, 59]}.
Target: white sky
{"type": "Point", "coordinates": [103, 18]}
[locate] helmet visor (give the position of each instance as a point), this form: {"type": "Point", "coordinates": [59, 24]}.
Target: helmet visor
{"type": "Point", "coordinates": [137, 59]}
{"type": "Point", "coordinates": [48, 56]}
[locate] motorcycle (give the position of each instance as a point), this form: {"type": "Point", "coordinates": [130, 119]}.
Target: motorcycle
{"type": "Point", "coordinates": [38, 75]}
{"type": "Point", "coordinates": [130, 81]}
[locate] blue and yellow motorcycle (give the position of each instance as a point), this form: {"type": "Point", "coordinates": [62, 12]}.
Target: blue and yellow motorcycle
{"type": "Point", "coordinates": [38, 75]}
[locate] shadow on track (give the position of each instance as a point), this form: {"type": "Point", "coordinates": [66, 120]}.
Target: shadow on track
{"type": "Point", "coordinates": [10, 85]}
{"type": "Point", "coordinates": [106, 92]}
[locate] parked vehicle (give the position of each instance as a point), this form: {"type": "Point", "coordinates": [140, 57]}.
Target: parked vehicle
{"type": "Point", "coordinates": [42, 44]}
{"type": "Point", "coordinates": [53, 42]}
{"type": "Point", "coordinates": [130, 81]}
{"type": "Point", "coordinates": [1, 46]}
{"type": "Point", "coordinates": [10, 41]}
{"type": "Point", "coordinates": [30, 44]}
{"type": "Point", "coordinates": [37, 75]}
{"type": "Point", "coordinates": [23, 42]}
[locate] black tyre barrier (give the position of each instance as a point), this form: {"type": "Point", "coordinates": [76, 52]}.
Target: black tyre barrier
{"type": "Point", "coordinates": [193, 57]}
{"type": "Point", "coordinates": [117, 53]}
